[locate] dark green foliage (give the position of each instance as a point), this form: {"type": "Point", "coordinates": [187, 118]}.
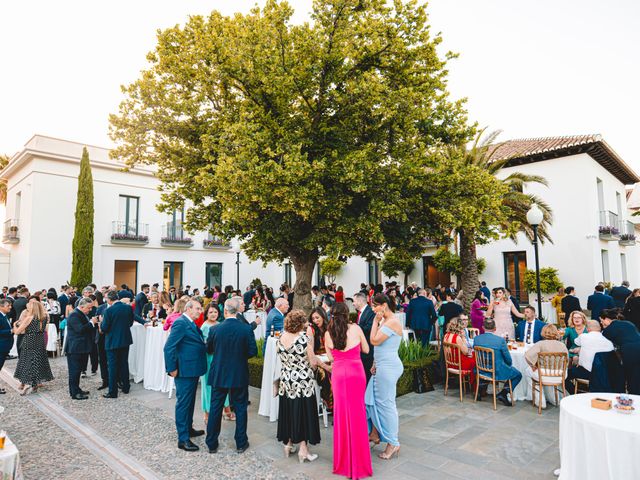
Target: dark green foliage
{"type": "Point", "coordinates": [82, 250]}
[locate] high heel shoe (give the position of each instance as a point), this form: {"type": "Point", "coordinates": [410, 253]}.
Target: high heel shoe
{"type": "Point", "coordinates": [27, 390]}
{"type": "Point", "coordinates": [289, 449]}
{"type": "Point", "coordinates": [373, 442]}
{"type": "Point", "coordinates": [388, 456]}
{"type": "Point", "coordinates": [309, 457]}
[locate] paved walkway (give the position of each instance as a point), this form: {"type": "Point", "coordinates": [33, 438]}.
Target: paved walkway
{"type": "Point", "coordinates": [441, 439]}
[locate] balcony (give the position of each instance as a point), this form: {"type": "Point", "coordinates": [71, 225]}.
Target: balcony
{"type": "Point", "coordinates": [130, 233]}
{"type": "Point", "coordinates": [609, 229]}
{"type": "Point", "coordinates": [11, 232]}
{"type": "Point", "coordinates": [173, 235]}
{"type": "Point", "coordinates": [213, 242]}
{"type": "Point", "coordinates": [627, 234]}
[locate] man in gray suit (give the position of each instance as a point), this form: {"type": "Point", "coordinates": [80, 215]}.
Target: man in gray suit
{"type": "Point", "coordinates": [504, 365]}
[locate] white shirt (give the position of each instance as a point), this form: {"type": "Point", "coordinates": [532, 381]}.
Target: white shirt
{"type": "Point", "coordinates": [591, 343]}
{"type": "Point", "coordinates": [190, 319]}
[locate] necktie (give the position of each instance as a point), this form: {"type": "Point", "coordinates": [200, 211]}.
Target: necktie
{"type": "Point", "coordinates": [528, 339]}
{"type": "Point", "coordinates": [358, 319]}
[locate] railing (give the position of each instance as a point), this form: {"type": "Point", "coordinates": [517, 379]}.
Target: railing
{"type": "Point", "coordinates": [129, 232]}
{"type": "Point", "coordinates": [11, 232]}
{"type": "Point", "coordinates": [214, 242]}
{"type": "Point", "coordinates": [174, 235]}
{"type": "Point", "coordinates": [609, 228]}
{"type": "Point", "coordinates": [627, 233]}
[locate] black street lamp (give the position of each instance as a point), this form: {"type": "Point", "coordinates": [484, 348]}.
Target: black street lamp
{"type": "Point", "coordinates": [535, 217]}
{"type": "Point", "coordinates": [237, 252]}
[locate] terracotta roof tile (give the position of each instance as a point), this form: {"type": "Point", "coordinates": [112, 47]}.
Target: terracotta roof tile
{"type": "Point", "coordinates": [532, 146]}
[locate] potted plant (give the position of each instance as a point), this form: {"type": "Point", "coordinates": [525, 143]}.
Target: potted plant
{"type": "Point", "coordinates": [627, 239]}
{"type": "Point", "coordinates": [609, 233]}
{"type": "Point", "coordinates": [549, 281]}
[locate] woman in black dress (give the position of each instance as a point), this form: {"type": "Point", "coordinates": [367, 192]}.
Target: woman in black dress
{"type": "Point", "coordinates": [318, 324]}
{"type": "Point", "coordinates": [33, 365]}
{"type": "Point", "coordinates": [631, 310]}
{"type": "Point", "coordinates": [298, 407]}
{"type": "Point", "coordinates": [625, 336]}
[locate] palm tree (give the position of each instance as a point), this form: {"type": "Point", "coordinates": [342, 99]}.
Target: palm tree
{"type": "Point", "coordinates": [515, 202]}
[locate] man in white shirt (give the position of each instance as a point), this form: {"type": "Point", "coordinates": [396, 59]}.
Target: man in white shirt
{"type": "Point", "coordinates": [590, 343]}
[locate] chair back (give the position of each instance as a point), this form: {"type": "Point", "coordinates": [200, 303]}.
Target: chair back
{"type": "Point", "coordinates": [485, 364]}
{"type": "Point", "coordinates": [473, 332]}
{"type": "Point", "coordinates": [452, 355]}
{"type": "Point", "coordinates": [552, 367]}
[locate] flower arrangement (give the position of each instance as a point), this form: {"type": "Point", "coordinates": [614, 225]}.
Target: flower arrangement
{"type": "Point", "coordinates": [130, 237]}
{"type": "Point", "coordinates": [608, 230]}
{"type": "Point", "coordinates": [213, 242]}
{"type": "Point", "coordinates": [180, 240]}
{"type": "Point", "coordinates": [628, 236]}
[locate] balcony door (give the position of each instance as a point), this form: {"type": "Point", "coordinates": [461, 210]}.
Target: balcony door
{"type": "Point", "coordinates": [172, 275]}
{"type": "Point", "coordinates": [126, 272]}
{"type": "Point", "coordinates": [174, 224]}
{"type": "Point", "coordinates": [128, 213]}
{"type": "Point", "coordinates": [515, 266]}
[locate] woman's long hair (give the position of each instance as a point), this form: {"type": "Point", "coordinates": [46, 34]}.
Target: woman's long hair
{"type": "Point", "coordinates": [339, 325]}
{"type": "Point", "coordinates": [319, 331]}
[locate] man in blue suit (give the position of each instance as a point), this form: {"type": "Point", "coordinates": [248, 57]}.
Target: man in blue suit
{"type": "Point", "coordinates": [6, 337]}
{"type": "Point", "coordinates": [141, 298]}
{"type": "Point", "coordinates": [421, 315]}
{"type": "Point", "coordinates": [484, 289]}
{"type": "Point", "coordinates": [598, 302]}
{"type": "Point", "coordinates": [620, 294]}
{"type": "Point", "coordinates": [232, 343]}
{"type": "Point", "coordinates": [504, 365]}
{"type": "Point", "coordinates": [185, 359]}
{"type": "Point", "coordinates": [529, 330]}
{"type": "Point", "coordinates": [116, 325]}
{"type": "Point", "coordinates": [80, 340]}
{"type": "Point", "coordinates": [275, 318]}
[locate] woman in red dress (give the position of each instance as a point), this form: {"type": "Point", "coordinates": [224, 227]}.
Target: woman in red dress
{"type": "Point", "coordinates": [456, 334]}
{"type": "Point", "coordinates": [340, 295]}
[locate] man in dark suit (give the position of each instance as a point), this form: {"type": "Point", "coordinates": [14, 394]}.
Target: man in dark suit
{"type": "Point", "coordinates": [124, 292]}
{"type": "Point", "coordinates": [185, 360]}
{"type": "Point", "coordinates": [449, 309]}
{"type": "Point", "coordinates": [240, 316]}
{"type": "Point", "coordinates": [599, 301]}
{"type": "Point", "coordinates": [232, 343]}
{"type": "Point", "coordinates": [503, 363]}
{"type": "Point", "coordinates": [366, 316]}
{"type": "Point", "coordinates": [247, 297]}
{"type": "Point", "coordinates": [172, 295]}
{"type": "Point", "coordinates": [80, 340]}
{"type": "Point", "coordinates": [63, 299]}
{"type": "Point", "coordinates": [141, 298]}
{"type": "Point", "coordinates": [620, 294]}
{"type": "Point", "coordinates": [6, 337]}
{"type": "Point", "coordinates": [529, 330]}
{"type": "Point", "coordinates": [484, 289]}
{"type": "Point", "coordinates": [11, 296]}
{"type": "Point", "coordinates": [275, 318]}
{"type": "Point", "coordinates": [570, 303]}
{"type": "Point", "coordinates": [102, 352]}
{"type": "Point", "coordinates": [116, 325]}
{"type": "Point", "coordinates": [421, 315]}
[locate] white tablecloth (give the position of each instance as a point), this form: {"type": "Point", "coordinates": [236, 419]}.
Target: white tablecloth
{"type": "Point", "coordinates": [524, 388]}
{"type": "Point", "coordinates": [52, 338]}
{"type": "Point", "coordinates": [154, 371]}
{"type": "Point", "coordinates": [403, 318]}
{"type": "Point", "coordinates": [598, 444]}
{"type": "Point", "coordinates": [10, 468]}
{"type": "Point", "coordinates": [549, 313]}
{"type": "Point", "coordinates": [270, 373]}
{"type": "Point", "coordinates": [136, 352]}
{"type": "Point", "coordinates": [260, 330]}
{"type": "Point", "coordinates": [14, 349]}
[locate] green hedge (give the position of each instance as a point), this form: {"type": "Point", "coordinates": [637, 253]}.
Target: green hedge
{"type": "Point", "coordinates": [405, 382]}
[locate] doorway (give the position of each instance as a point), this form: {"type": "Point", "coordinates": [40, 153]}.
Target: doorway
{"type": "Point", "coordinates": [515, 266]}
{"type": "Point", "coordinates": [433, 276]}
{"type": "Point", "coordinates": [172, 276]}
{"type": "Point", "coordinates": [126, 272]}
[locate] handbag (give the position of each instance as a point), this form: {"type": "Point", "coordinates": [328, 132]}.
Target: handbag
{"type": "Point", "coordinates": [421, 381]}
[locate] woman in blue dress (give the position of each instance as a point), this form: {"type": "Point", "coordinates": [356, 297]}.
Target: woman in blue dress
{"type": "Point", "coordinates": [380, 397]}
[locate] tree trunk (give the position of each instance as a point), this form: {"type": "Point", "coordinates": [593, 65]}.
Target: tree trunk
{"type": "Point", "coordinates": [303, 265]}
{"type": "Point", "coordinates": [469, 266]}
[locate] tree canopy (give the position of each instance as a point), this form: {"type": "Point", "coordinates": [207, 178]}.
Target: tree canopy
{"type": "Point", "coordinates": [299, 140]}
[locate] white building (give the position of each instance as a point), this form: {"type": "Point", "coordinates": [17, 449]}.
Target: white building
{"type": "Point", "coordinates": [134, 243]}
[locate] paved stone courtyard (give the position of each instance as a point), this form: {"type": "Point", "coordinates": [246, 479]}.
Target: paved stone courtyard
{"type": "Point", "coordinates": [134, 437]}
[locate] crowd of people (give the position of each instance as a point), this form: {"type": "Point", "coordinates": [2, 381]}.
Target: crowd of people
{"type": "Point", "coordinates": [354, 361]}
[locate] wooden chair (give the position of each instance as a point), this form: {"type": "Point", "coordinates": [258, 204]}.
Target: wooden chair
{"type": "Point", "coordinates": [486, 370]}
{"type": "Point", "coordinates": [453, 361]}
{"type": "Point", "coordinates": [562, 320]}
{"type": "Point", "coordinates": [551, 372]}
{"type": "Point", "coordinates": [580, 385]}
{"type": "Point", "coordinates": [473, 332]}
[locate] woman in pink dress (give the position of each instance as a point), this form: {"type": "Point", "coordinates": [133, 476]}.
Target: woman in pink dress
{"type": "Point", "coordinates": [344, 342]}
{"type": "Point", "coordinates": [478, 307]}
{"type": "Point", "coordinates": [501, 309]}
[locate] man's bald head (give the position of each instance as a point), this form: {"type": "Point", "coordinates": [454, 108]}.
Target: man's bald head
{"type": "Point", "coordinates": [593, 326]}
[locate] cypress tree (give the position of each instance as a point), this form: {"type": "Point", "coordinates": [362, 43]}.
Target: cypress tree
{"type": "Point", "coordinates": [82, 250]}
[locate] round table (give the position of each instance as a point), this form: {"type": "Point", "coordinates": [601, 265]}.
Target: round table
{"type": "Point", "coordinates": [136, 352]}
{"type": "Point", "coordinates": [549, 313]}
{"type": "Point", "coordinates": [10, 461]}
{"type": "Point", "coordinates": [52, 338]}
{"type": "Point", "coordinates": [269, 401]}
{"type": "Point", "coordinates": [523, 390]}
{"type": "Point", "coordinates": [251, 316]}
{"type": "Point", "coordinates": [598, 444]}
{"type": "Point", "coordinates": [154, 371]}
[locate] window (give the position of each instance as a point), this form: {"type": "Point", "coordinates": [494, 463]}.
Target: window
{"type": "Point", "coordinates": [374, 272]}
{"type": "Point", "coordinates": [172, 275]}
{"type": "Point", "coordinates": [126, 272]}
{"type": "Point", "coordinates": [605, 265]}
{"type": "Point", "coordinates": [623, 264]}
{"type": "Point", "coordinates": [619, 205]}
{"type": "Point", "coordinates": [128, 212]}
{"type": "Point", "coordinates": [174, 224]}
{"type": "Point", "coordinates": [600, 195]}
{"type": "Point", "coordinates": [17, 205]}
{"type": "Point", "coordinates": [213, 274]}
{"type": "Point", "coordinates": [287, 273]}
{"type": "Point", "coordinates": [515, 265]}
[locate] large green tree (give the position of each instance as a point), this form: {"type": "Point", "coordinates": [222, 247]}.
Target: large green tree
{"type": "Point", "coordinates": [4, 161]}
{"type": "Point", "coordinates": [300, 140]}
{"type": "Point", "coordinates": [82, 249]}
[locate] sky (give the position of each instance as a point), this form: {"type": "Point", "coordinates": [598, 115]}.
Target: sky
{"type": "Point", "coordinates": [529, 68]}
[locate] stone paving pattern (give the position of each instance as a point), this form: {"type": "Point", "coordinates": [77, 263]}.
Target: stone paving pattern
{"type": "Point", "coordinates": [441, 439]}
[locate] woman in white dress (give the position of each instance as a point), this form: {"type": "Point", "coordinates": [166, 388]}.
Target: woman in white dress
{"type": "Point", "coordinates": [501, 309]}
